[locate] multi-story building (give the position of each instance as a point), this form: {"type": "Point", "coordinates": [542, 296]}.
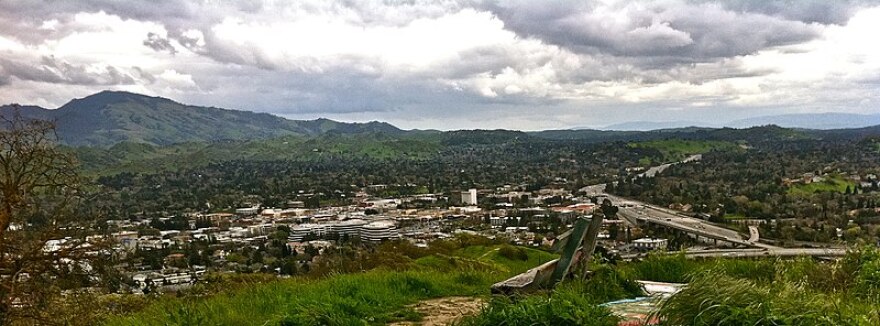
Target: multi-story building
{"type": "Point", "coordinates": [299, 232]}
{"type": "Point", "coordinates": [650, 244]}
{"type": "Point", "coordinates": [469, 197]}
{"type": "Point", "coordinates": [378, 231]}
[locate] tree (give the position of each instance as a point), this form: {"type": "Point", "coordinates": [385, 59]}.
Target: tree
{"type": "Point", "coordinates": [43, 247]}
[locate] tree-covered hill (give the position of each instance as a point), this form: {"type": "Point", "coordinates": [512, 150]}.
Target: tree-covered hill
{"type": "Point", "coordinates": [110, 117]}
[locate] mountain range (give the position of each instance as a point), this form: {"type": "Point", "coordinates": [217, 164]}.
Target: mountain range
{"type": "Point", "coordinates": [112, 117]}
{"type": "Point", "coordinates": [819, 121]}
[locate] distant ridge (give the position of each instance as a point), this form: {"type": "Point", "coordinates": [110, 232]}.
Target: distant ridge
{"type": "Point", "coordinates": [655, 125]}
{"type": "Point", "coordinates": [823, 121]}
{"type": "Point", "coordinates": [112, 117]}
{"type": "Point", "coordinates": [818, 121]}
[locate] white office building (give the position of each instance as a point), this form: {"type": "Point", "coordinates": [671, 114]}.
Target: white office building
{"type": "Point", "coordinates": [378, 231]}
{"type": "Point", "coordinates": [469, 197]}
{"type": "Point", "coordinates": [650, 244]}
{"type": "Point", "coordinates": [299, 232]}
{"type": "Point", "coordinates": [350, 227]}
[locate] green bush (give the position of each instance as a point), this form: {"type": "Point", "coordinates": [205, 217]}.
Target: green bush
{"type": "Point", "coordinates": [513, 253]}
{"type": "Point", "coordinates": [781, 292]}
{"type": "Point", "coordinates": [375, 297]}
{"type": "Point", "coordinates": [573, 302]}
{"type": "Point", "coordinates": [661, 267]}
{"type": "Point", "coordinates": [562, 307]}
{"type": "Point", "coordinates": [724, 300]}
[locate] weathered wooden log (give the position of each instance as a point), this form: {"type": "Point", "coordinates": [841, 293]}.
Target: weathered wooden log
{"type": "Point", "coordinates": [526, 282]}
{"type": "Point", "coordinates": [572, 247]}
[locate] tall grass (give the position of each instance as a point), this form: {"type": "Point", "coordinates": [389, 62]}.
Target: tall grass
{"type": "Point", "coordinates": [574, 302]}
{"type": "Point", "coordinates": [780, 292]}
{"type": "Point", "coordinates": [371, 298]}
{"type": "Point", "coordinates": [664, 268]}
{"type": "Point", "coordinates": [375, 297]}
{"type": "Point", "coordinates": [724, 300]}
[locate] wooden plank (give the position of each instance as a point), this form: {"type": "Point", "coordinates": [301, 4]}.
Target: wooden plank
{"type": "Point", "coordinates": [590, 241]}
{"type": "Point", "coordinates": [568, 252]}
{"type": "Point", "coordinates": [561, 240]}
{"type": "Point", "coordinates": [530, 280]}
{"type": "Point", "coordinates": [525, 282]}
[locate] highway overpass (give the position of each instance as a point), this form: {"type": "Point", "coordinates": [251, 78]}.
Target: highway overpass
{"type": "Point", "coordinates": [751, 253]}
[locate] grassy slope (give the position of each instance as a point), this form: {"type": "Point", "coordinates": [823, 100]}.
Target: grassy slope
{"type": "Point", "coordinates": [720, 292]}
{"type": "Point", "coordinates": [833, 183]}
{"type": "Point", "coordinates": [675, 150]}
{"type": "Point", "coordinates": [780, 292]}
{"type": "Point", "coordinates": [134, 157]}
{"type": "Point", "coordinates": [574, 302]}
{"type": "Point", "coordinates": [374, 297]}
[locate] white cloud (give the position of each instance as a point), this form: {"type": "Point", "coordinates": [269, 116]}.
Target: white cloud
{"type": "Point", "coordinates": [536, 64]}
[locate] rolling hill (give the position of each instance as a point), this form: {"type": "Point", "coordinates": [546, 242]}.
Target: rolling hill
{"type": "Point", "coordinates": [112, 117]}
{"type": "Point", "coordinates": [109, 118]}
{"type": "Point", "coordinates": [823, 121]}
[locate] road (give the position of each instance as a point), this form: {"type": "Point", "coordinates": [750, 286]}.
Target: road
{"type": "Point", "coordinates": [746, 253]}
{"type": "Point", "coordinates": [652, 171]}
{"type": "Point", "coordinates": [635, 212]}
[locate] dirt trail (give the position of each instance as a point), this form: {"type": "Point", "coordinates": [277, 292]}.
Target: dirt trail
{"type": "Point", "coordinates": [444, 311]}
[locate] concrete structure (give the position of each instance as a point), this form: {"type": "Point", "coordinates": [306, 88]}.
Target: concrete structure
{"type": "Point", "coordinates": [348, 227]}
{"type": "Point", "coordinates": [247, 211]}
{"type": "Point", "coordinates": [751, 252]}
{"type": "Point", "coordinates": [469, 197]}
{"type": "Point", "coordinates": [378, 231]}
{"type": "Point", "coordinates": [366, 230]}
{"type": "Point", "coordinates": [299, 232]}
{"type": "Point", "coordinates": [635, 212]}
{"type": "Point", "coordinates": [650, 244]}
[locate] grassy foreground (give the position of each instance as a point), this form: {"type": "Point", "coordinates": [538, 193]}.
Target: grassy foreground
{"type": "Point", "coordinates": [780, 292]}
{"type": "Point", "coordinates": [719, 292]}
{"type": "Point", "coordinates": [375, 297]}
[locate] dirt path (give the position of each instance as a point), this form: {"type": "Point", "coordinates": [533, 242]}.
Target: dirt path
{"type": "Point", "coordinates": [444, 311]}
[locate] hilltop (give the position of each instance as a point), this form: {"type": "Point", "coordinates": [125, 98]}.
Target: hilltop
{"type": "Point", "coordinates": [112, 117]}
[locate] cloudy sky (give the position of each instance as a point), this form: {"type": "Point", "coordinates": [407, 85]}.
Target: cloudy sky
{"type": "Point", "coordinates": [453, 64]}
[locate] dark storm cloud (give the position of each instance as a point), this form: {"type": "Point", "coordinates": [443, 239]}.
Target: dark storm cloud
{"type": "Point", "coordinates": [23, 18]}
{"type": "Point", "coordinates": [52, 70]}
{"type": "Point", "coordinates": [341, 91]}
{"type": "Point", "coordinates": [572, 57]}
{"type": "Point", "coordinates": [809, 11]}
{"type": "Point", "coordinates": [143, 75]}
{"type": "Point", "coordinates": [159, 43]}
{"type": "Point", "coordinates": [663, 34]}
{"type": "Point", "coordinates": [4, 78]}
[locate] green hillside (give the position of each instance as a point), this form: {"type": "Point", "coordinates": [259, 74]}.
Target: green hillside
{"type": "Point", "coordinates": [676, 150]}
{"type": "Point", "coordinates": [111, 117]}
{"type": "Point", "coordinates": [108, 118]}
{"type": "Point", "coordinates": [140, 157]}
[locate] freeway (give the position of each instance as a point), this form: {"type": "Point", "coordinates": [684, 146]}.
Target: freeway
{"type": "Point", "coordinates": [670, 219]}
{"type": "Point", "coordinates": [747, 253]}
{"type": "Point", "coordinates": [654, 170]}
{"type": "Point", "coordinates": [633, 212]}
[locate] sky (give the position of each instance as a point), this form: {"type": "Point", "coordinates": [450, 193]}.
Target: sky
{"type": "Point", "coordinates": [525, 65]}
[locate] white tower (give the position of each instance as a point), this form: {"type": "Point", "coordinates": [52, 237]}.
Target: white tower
{"type": "Point", "coordinates": [469, 197]}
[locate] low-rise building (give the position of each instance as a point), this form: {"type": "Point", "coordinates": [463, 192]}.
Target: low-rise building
{"type": "Point", "coordinates": [247, 211]}
{"type": "Point", "coordinates": [647, 244]}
